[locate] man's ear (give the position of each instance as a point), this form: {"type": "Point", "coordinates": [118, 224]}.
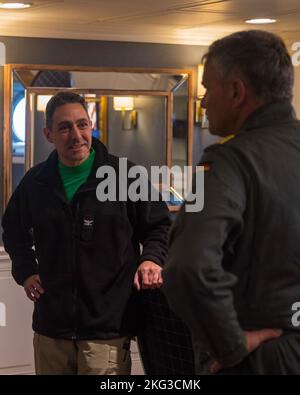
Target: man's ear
{"type": "Point", "coordinates": [238, 92]}
{"type": "Point", "coordinates": [48, 135]}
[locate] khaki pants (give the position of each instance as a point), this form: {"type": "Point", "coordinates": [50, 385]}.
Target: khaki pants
{"type": "Point", "coordinates": [99, 357]}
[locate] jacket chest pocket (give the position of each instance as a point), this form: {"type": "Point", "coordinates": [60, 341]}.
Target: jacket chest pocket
{"type": "Point", "coordinates": [103, 223]}
{"type": "Point", "coordinates": [87, 227]}
{"type": "Point", "coordinates": [106, 230]}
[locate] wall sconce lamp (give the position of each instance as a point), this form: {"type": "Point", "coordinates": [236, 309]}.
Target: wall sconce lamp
{"type": "Point", "coordinates": [125, 103]}
{"type": "Point", "coordinates": [200, 87]}
{"type": "Point", "coordinates": [42, 101]}
{"type": "Point", "coordinates": [200, 113]}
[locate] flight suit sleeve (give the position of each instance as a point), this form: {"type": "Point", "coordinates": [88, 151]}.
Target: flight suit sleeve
{"type": "Point", "coordinates": [196, 285]}
{"type": "Point", "coordinates": [18, 238]}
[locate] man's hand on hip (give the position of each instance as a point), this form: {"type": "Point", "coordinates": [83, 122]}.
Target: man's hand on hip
{"type": "Point", "coordinates": [33, 288]}
{"type": "Point", "coordinates": [148, 276]}
{"type": "Point", "coordinates": [253, 340]}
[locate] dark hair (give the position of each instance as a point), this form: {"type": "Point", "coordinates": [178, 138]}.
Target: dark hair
{"type": "Point", "coordinates": [261, 57]}
{"type": "Point", "coordinates": [59, 99]}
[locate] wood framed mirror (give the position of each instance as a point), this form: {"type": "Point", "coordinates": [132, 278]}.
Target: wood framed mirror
{"type": "Point", "coordinates": [163, 134]}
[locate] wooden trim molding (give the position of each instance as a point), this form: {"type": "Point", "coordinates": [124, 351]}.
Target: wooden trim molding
{"type": "Point", "coordinates": [31, 91]}
{"type": "Point", "coordinates": [190, 136]}
{"type": "Point", "coordinates": [169, 129]}
{"type": "Point", "coordinates": [112, 92]}
{"type": "Point", "coordinates": [143, 70]}
{"type": "Point", "coordinates": [7, 135]}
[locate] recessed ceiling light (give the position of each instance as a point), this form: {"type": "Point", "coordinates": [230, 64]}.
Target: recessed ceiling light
{"type": "Point", "coordinates": [14, 6]}
{"type": "Point", "coordinates": [261, 21]}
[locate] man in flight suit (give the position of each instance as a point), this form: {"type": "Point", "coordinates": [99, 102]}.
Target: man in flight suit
{"type": "Point", "coordinates": [233, 272]}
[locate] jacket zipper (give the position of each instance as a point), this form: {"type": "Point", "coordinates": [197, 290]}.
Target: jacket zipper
{"type": "Point", "coordinates": [75, 289]}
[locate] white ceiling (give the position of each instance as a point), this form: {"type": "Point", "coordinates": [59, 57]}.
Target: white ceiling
{"type": "Point", "coordinates": [157, 21]}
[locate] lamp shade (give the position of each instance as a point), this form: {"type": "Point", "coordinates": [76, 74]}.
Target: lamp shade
{"type": "Point", "coordinates": [200, 87]}
{"type": "Point", "coordinates": [122, 103]}
{"type": "Point", "coordinates": [42, 101]}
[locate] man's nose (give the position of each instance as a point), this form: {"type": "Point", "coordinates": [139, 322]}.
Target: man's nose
{"type": "Point", "coordinates": [75, 132]}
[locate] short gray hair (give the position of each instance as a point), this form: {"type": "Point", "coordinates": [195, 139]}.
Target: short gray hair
{"type": "Point", "coordinates": [261, 57]}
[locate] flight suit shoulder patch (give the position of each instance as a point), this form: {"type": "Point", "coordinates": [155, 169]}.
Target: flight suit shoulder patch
{"type": "Point", "coordinates": [206, 165]}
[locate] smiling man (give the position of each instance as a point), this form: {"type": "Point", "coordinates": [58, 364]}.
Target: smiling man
{"type": "Point", "coordinates": [69, 129]}
{"type": "Point", "coordinates": [77, 258]}
{"type": "Point", "coordinates": [233, 271]}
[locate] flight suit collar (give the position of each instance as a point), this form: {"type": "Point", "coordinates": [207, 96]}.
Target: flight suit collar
{"type": "Point", "coordinates": [280, 111]}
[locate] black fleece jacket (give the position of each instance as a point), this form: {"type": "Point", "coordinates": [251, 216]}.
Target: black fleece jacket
{"type": "Point", "coordinates": [86, 251]}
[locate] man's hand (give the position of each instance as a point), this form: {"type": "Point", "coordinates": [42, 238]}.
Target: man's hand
{"type": "Point", "coordinates": [33, 288]}
{"type": "Point", "coordinates": [253, 340]}
{"type": "Point", "coordinates": [148, 276]}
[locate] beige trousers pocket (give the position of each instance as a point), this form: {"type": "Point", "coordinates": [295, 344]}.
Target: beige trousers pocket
{"type": "Point", "coordinates": [104, 357]}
